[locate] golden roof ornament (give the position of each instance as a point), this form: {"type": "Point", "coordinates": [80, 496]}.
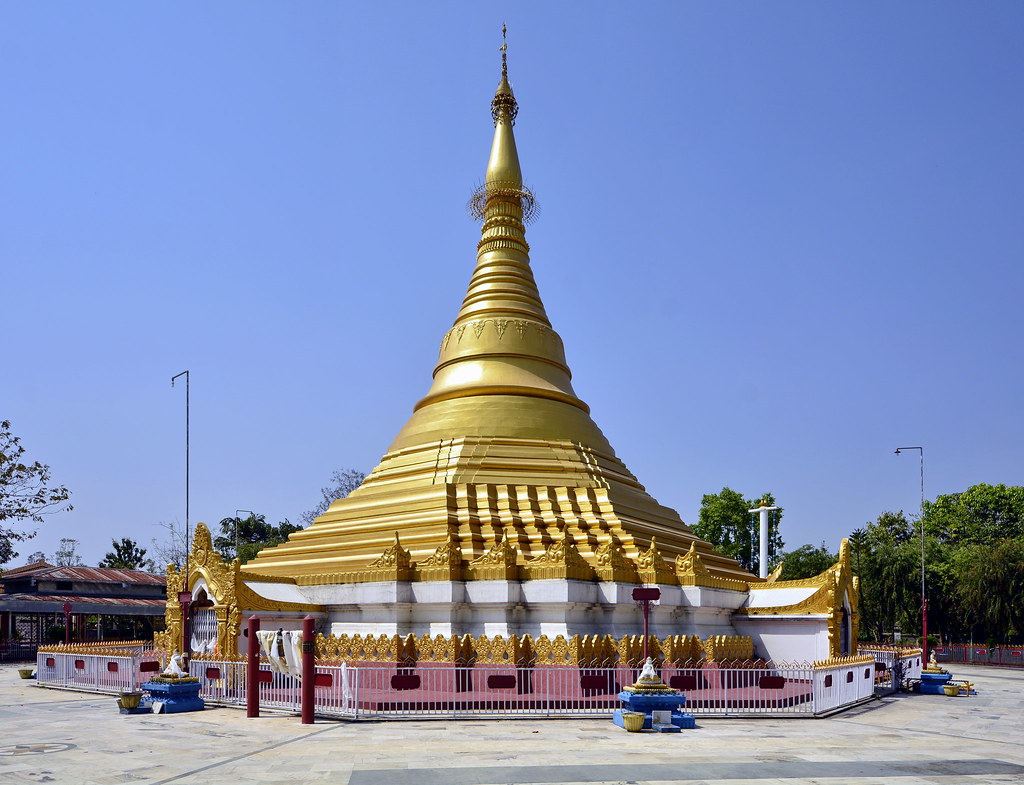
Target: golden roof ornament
{"type": "Point", "coordinates": [504, 179]}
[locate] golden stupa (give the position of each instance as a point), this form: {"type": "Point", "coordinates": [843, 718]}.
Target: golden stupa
{"type": "Point", "coordinates": [500, 473]}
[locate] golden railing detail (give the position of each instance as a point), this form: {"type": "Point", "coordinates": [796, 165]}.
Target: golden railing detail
{"type": "Point", "coordinates": [524, 650]}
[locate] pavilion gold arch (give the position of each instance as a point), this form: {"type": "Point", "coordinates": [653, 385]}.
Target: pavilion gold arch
{"type": "Point", "coordinates": [225, 586]}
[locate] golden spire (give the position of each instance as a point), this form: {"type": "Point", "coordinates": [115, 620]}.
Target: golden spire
{"type": "Point", "coordinates": [501, 343]}
{"type": "Point", "coordinates": [500, 458]}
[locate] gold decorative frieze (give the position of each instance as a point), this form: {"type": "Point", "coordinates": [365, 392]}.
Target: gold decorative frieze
{"type": "Point", "coordinates": [724, 648]}
{"type": "Point", "coordinates": [834, 662]}
{"type": "Point", "coordinates": [101, 648]}
{"type": "Point", "coordinates": [523, 650]}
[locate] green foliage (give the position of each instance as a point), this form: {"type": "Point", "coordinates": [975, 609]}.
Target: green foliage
{"type": "Point", "coordinates": [243, 538]}
{"type": "Point", "coordinates": [981, 514]}
{"type": "Point", "coordinates": [725, 522]}
{"type": "Point", "coordinates": [974, 567]}
{"type": "Point", "coordinates": [26, 492]}
{"type": "Point", "coordinates": [127, 555]}
{"type": "Point", "coordinates": [985, 585]}
{"type": "Point", "coordinates": [806, 562]}
{"type": "Point", "coordinates": [887, 558]}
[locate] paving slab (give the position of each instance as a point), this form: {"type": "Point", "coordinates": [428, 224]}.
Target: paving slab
{"type": "Point", "coordinates": [56, 736]}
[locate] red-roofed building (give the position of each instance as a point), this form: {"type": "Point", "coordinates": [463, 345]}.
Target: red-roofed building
{"type": "Point", "coordinates": [106, 604]}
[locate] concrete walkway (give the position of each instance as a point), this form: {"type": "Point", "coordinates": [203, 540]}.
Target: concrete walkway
{"type": "Point", "coordinates": [65, 737]}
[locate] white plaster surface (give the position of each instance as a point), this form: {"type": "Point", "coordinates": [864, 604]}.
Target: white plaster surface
{"type": "Point", "coordinates": [769, 598]}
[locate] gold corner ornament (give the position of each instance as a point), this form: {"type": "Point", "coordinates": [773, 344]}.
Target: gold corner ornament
{"type": "Point", "coordinates": [652, 566]}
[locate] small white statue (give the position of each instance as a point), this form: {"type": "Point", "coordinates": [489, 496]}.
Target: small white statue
{"type": "Point", "coordinates": [648, 673]}
{"type": "Point", "coordinates": [932, 662]}
{"type": "Point", "coordinates": [174, 666]}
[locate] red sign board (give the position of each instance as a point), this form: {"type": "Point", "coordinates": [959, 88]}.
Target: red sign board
{"type": "Point", "coordinates": [640, 594]}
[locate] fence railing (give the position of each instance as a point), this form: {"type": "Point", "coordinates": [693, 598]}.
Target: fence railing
{"type": "Point", "coordinates": [17, 651]}
{"type": "Point", "coordinates": [503, 691]}
{"type": "Point", "coordinates": [93, 672]}
{"type": "Point", "coordinates": [987, 655]}
{"type": "Point", "coordinates": [445, 690]}
{"type": "Point", "coordinates": [893, 665]}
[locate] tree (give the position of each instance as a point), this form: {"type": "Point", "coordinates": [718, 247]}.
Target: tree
{"type": "Point", "coordinates": [988, 587]}
{"type": "Point", "coordinates": [981, 514]}
{"type": "Point", "coordinates": [66, 555]}
{"type": "Point", "coordinates": [243, 538]}
{"type": "Point", "coordinates": [127, 555]}
{"type": "Point", "coordinates": [173, 549]}
{"type": "Point", "coordinates": [726, 522]}
{"type": "Point", "coordinates": [26, 492]}
{"type": "Point", "coordinates": [343, 482]}
{"type": "Point", "coordinates": [806, 562]}
{"type": "Point", "coordinates": [887, 557]}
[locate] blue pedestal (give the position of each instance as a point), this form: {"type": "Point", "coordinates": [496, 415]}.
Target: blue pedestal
{"type": "Point", "coordinates": [657, 701]}
{"type": "Point", "coordinates": [175, 696]}
{"type": "Point", "coordinates": [932, 683]}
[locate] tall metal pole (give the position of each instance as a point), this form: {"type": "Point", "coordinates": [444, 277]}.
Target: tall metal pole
{"type": "Point", "coordinates": [924, 599]}
{"type": "Point", "coordinates": [185, 597]}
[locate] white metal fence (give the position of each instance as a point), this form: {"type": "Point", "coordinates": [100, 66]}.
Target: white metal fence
{"type": "Point", "coordinates": [893, 665]}
{"type": "Point", "coordinates": [445, 690]}
{"type": "Point", "coordinates": [94, 672]}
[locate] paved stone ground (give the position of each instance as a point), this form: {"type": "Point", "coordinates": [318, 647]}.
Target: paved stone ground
{"type": "Point", "coordinates": [65, 737]}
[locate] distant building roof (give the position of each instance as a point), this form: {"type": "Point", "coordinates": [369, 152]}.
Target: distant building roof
{"type": "Point", "coordinates": [25, 569]}
{"type": "Point", "coordinates": [102, 575]}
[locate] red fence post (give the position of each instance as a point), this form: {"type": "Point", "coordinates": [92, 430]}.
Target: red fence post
{"type": "Point", "coordinates": [252, 685]}
{"type": "Point", "coordinates": [308, 670]}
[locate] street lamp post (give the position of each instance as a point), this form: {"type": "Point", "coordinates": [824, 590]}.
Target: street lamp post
{"type": "Point", "coordinates": [924, 599]}
{"type": "Point", "coordinates": [185, 597]}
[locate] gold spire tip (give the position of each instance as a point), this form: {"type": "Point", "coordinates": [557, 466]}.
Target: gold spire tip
{"type": "Point", "coordinates": [504, 52]}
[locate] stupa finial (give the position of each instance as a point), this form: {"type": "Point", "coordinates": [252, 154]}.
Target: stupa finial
{"type": "Point", "coordinates": [504, 102]}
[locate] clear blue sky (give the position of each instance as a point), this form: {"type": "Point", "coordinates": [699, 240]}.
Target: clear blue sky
{"type": "Point", "coordinates": [779, 240]}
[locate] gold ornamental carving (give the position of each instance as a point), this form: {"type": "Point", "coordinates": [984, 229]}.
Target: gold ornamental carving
{"type": "Point", "coordinates": [692, 571]}
{"type": "Point", "coordinates": [612, 564]}
{"type": "Point", "coordinates": [560, 560]}
{"type": "Point", "coordinates": [445, 565]}
{"type": "Point", "coordinates": [499, 563]}
{"type": "Point", "coordinates": [652, 566]}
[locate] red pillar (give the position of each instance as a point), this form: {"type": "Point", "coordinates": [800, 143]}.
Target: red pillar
{"type": "Point", "coordinates": [308, 670]}
{"type": "Point", "coordinates": [252, 672]}
{"type": "Point", "coordinates": [924, 632]}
